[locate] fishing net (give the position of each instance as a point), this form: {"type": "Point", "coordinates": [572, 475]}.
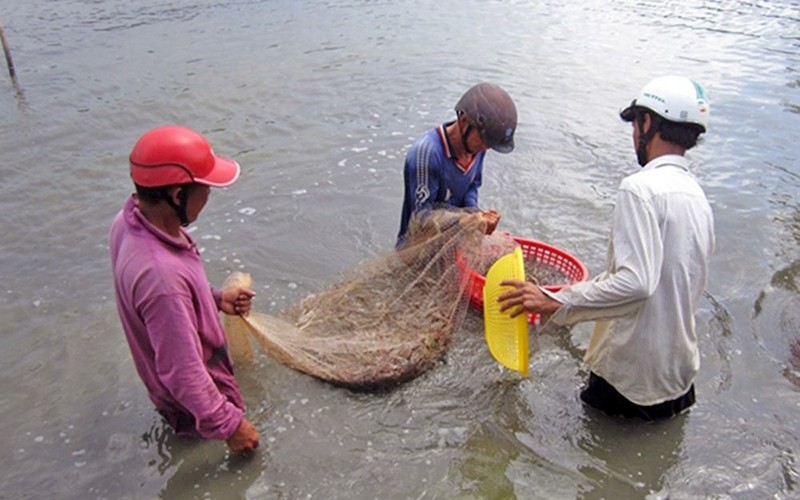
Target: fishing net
{"type": "Point", "coordinates": [384, 322]}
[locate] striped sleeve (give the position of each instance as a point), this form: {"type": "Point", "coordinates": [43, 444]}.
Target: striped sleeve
{"type": "Point", "coordinates": [425, 190]}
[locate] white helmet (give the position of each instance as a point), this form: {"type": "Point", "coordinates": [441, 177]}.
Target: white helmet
{"type": "Point", "coordinates": [674, 98]}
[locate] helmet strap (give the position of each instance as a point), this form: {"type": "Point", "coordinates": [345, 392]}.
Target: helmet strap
{"type": "Point", "coordinates": [464, 132]}
{"type": "Point", "coordinates": [465, 138]}
{"type": "Point", "coordinates": [645, 137]}
{"type": "Point", "coordinates": [180, 208]}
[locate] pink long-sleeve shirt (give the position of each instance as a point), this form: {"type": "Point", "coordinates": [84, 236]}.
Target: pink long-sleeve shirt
{"type": "Point", "coordinates": [170, 315]}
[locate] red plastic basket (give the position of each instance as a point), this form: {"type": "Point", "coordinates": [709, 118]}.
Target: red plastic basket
{"type": "Point", "coordinates": [531, 250]}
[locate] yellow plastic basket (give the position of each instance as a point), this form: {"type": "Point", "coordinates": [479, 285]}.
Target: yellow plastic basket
{"type": "Point", "coordinates": [506, 337]}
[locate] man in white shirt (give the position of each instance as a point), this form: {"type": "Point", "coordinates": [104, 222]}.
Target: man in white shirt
{"type": "Point", "coordinates": [643, 352]}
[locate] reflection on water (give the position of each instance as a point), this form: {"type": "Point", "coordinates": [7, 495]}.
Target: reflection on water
{"type": "Point", "coordinates": [781, 300]}
{"type": "Point", "coordinates": [792, 370]}
{"type": "Point", "coordinates": [20, 95]}
{"type": "Point", "coordinates": [633, 459]}
{"type": "Point", "coordinates": [319, 101]}
{"type": "Point", "coordinates": [718, 329]}
{"type": "Point", "coordinates": [792, 107]}
{"type": "Point", "coordinates": [787, 279]}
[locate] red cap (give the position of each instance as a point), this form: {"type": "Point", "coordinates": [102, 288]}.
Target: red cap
{"type": "Point", "coordinates": [169, 155]}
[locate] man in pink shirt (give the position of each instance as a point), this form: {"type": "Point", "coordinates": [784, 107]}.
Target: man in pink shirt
{"type": "Point", "coordinates": [169, 311]}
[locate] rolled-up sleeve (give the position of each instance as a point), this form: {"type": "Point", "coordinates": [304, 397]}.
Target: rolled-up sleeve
{"type": "Point", "coordinates": [633, 272]}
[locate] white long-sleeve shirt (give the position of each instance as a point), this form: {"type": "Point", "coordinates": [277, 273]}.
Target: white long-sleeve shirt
{"type": "Point", "coordinates": [644, 341]}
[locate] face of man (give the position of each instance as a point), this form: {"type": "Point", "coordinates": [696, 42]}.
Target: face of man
{"type": "Point", "coordinates": [198, 197]}
{"type": "Point", "coordinates": [474, 141]}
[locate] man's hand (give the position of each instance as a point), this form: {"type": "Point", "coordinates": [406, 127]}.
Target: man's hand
{"type": "Point", "coordinates": [236, 300]}
{"type": "Point", "coordinates": [526, 297]}
{"type": "Point", "coordinates": [492, 218]}
{"type": "Point", "coordinates": [473, 221]}
{"type": "Point", "coordinates": [245, 439]}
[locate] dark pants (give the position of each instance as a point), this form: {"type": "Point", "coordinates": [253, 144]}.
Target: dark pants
{"type": "Point", "coordinates": [602, 396]}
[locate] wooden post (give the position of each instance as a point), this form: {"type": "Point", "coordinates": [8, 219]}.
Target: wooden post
{"type": "Point", "coordinates": [7, 51]}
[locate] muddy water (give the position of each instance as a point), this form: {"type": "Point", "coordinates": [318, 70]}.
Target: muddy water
{"type": "Point", "coordinates": [319, 101]}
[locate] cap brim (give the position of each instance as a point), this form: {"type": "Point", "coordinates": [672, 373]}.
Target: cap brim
{"type": "Point", "coordinates": [224, 173]}
{"type": "Point", "coordinates": [628, 113]}
{"type": "Point", "coordinates": [504, 148]}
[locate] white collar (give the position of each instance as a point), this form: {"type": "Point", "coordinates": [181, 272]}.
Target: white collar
{"type": "Point", "coordinates": [664, 160]}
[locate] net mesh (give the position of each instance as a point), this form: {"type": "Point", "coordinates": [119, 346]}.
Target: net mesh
{"type": "Point", "coordinates": [384, 322]}
{"type": "Point", "coordinates": [542, 273]}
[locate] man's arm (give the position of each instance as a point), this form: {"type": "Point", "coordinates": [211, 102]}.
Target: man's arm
{"type": "Point", "coordinates": [635, 273]}
{"type": "Point", "coordinates": [233, 299]}
{"type": "Point", "coordinates": [422, 173]}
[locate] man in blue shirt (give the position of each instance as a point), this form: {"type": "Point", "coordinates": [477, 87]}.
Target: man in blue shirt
{"type": "Point", "coordinates": [444, 167]}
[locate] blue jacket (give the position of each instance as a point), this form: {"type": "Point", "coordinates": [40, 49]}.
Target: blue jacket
{"type": "Point", "coordinates": [432, 177]}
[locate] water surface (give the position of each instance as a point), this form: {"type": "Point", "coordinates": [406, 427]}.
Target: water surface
{"type": "Point", "coordinates": [319, 101]}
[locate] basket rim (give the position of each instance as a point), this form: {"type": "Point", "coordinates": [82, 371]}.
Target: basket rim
{"type": "Point", "coordinates": [584, 271]}
{"type": "Point", "coordinates": [477, 281]}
